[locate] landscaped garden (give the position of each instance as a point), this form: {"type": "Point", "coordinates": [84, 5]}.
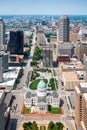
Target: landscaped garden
{"type": "Point", "coordinates": [55, 126]}
{"type": "Point", "coordinates": [40, 73]}
{"type": "Point", "coordinates": [54, 110]}
{"type": "Point", "coordinates": [34, 84]}
{"type": "Point", "coordinates": [26, 110]}
{"type": "Point", "coordinates": [34, 75]}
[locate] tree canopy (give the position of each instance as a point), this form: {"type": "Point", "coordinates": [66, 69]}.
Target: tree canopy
{"type": "Point", "coordinates": [30, 126]}
{"type": "Point", "coordinates": [55, 126]}
{"type": "Point", "coordinates": [37, 54]}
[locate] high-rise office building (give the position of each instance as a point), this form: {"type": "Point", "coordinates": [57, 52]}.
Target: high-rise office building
{"type": "Point", "coordinates": [16, 42]}
{"type": "Point", "coordinates": [81, 106]}
{"type": "Point", "coordinates": [47, 54]}
{"type": "Point", "coordinates": [2, 33]}
{"type": "Point", "coordinates": [64, 29]}
{"type": "Point", "coordinates": [40, 36]}
{"type": "Point", "coordinates": [3, 64]}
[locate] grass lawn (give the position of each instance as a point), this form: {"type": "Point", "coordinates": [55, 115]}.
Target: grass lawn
{"type": "Point", "coordinates": [34, 84]}
{"type": "Point", "coordinates": [42, 127]}
{"type": "Point", "coordinates": [26, 110]}
{"type": "Point", "coordinates": [54, 110]}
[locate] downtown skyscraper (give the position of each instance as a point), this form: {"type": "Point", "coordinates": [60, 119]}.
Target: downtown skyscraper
{"type": "Point", "coordinates": [16, 42]}
{"type": "Point", "coordinates": [2, 33]}
{"type": "Point", "coordinates": [64, 29]}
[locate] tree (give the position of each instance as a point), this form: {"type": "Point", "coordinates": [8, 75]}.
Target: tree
{"type": "Point", "coordinates": [33, 63]}
{"type": "Point", "coordinates": [48, 39]}
{"type": "Point", "coordinates": [37, 53]}
{"type": "Point", "coordinates": [30, 126]}
{"type": "Point", "coordinates": [51, 125]}
{"type": "Point", "coordinates": [30, 40]}
{"type": "Point", "coordinates": [27, 53]}
{"type": "Point", "coordinates": [34, 126]}
{"type": "Point", "coordinates": [55, 127]}
{"type": "Point", "coordinates": [60, 125]}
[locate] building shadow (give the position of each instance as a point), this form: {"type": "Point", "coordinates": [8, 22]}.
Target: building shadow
{"type": "Point", "coordinates": [13, 124]}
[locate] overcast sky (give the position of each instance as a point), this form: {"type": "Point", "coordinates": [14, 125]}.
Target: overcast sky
{"type": "Point", "coordinates": [54, 7]}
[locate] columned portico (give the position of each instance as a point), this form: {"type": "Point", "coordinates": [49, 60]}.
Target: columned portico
{"type": "Point", "coordinates": [42, 107]}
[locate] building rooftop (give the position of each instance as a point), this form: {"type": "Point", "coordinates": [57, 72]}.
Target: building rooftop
{"type": "Point", "coordinates": [70, 76]}
{"type": "Point", "coordinates": [8, 98]}
{"type": "Point", "coordinates": [73, 76]}
{"type": "Point", "coordinates": [85, 95]}
{"type": "Point", "coordinates": [83, 87]}
{"type": "Point", "coordinates": [63, 17]}
{"type": "Point", "coordinates": [42, 99]}
{"type": "Point", "coordinates": [72, 101]}
{"type": "Point", "coordinates": [73, 64]}
{"type": "Point", "coordinates": [1, 93]}
{"type": "Point", "coordinates": [54, 94]}
{"type": "Point", "coordinates": [66, 45]}
{"type": "Point", "coordinates": [9, 77]}
{"type": "Point", "coordinates": [41, 84]}
{"type": "Point", "coordinates": [30, 94]}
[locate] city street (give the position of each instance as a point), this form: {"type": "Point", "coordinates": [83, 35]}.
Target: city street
{"type": "Point", "coordinates": [20, 90]}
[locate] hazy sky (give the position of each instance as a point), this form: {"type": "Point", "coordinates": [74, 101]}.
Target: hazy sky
{"type": "Point", "coordinates": [56, 7]}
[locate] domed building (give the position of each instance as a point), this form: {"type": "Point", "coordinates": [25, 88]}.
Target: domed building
{"type": "Point", "coordinates": [41, 99]}
{"type": "Point", "coordinates": [41, 89]}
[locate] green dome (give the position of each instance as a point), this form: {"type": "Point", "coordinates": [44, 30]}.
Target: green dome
{"type": "Point", "coordinates": [41, 84]}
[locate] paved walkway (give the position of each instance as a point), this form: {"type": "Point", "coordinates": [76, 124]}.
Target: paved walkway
{"type": "Point", "coordinates": [43, 114]}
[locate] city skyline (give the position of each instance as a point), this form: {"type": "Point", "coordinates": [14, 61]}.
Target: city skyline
{"type": "Point", "coordinates": [46, 7]}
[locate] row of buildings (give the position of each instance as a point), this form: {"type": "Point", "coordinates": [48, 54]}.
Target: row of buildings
{"type": "Point", "coordinates": [16, 41]}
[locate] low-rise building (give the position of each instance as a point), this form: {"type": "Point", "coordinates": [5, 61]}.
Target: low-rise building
{"type": "Point", "coordinates": [9, 78]}
{"type": "Point", "coordinates": [63, 58]}
{"type": "Point", "coordinates": [80, 50]}
{"type": "Point", "coordinates": [66, 48]}
{"type": "Point", "coordinates": [71, 73]}
{"type": "Point", "coordinates": [53, 39]}
{"type": "Point", "coordinates": [71, 80]}
{"type": "Point", "coordinates": [73, 65]}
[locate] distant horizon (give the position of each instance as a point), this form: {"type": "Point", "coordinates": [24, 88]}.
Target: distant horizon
{"type": "Point", "coordinates": [45, 14]}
